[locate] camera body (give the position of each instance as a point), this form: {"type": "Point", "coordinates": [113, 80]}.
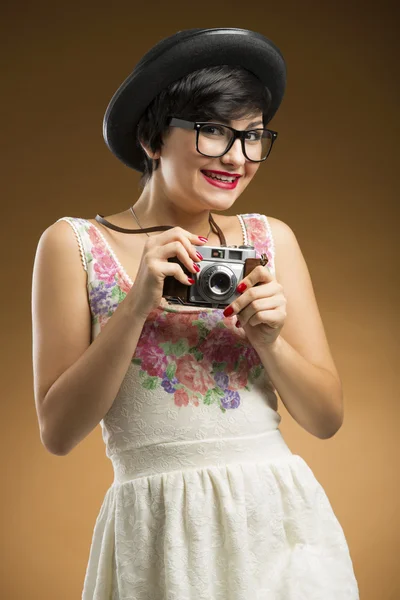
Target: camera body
{"type": "Point", "coordinates": [221, 269]}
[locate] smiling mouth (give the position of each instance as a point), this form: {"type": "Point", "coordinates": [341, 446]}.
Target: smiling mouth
{"type": "Point", "coordinates": [219, 183]}
{"type": "Point", "coordinates": [223, 178]}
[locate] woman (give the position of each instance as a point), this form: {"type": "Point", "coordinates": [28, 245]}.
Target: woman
{"type": "Point", "coordinates": [208, 501]}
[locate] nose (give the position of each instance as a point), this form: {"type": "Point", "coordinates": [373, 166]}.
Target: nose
{"type": "Point", "coordinates": [235, 154]}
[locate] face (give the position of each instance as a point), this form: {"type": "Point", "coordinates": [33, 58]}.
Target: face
{"type": "Point", "coordinates": [180, 170]}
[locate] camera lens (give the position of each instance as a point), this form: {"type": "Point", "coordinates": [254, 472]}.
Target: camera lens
{"type": "Point", "coordinates": [220, 282]}
{"type": "Point", "coordinates": [216, 283]}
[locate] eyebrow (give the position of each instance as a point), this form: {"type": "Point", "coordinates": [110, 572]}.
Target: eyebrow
{"type": "Point", "coordinates": [253, 124]}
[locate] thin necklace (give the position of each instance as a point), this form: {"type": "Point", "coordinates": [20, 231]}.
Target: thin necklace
{"type": "Point", "coordinates": [133, 212]}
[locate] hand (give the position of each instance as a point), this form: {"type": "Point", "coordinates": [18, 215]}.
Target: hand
{"type": "Point", "coordinates": [146, 293]}
{"type": "Point", "coordinates": [261, 308]}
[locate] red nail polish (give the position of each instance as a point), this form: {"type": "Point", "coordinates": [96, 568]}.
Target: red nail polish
{"type": "Point", "coordinates": [240, 288]}
{"type": "Point", "coordinates": [228, 311]}
{"type": "Point", "coordinates": [237, 323]}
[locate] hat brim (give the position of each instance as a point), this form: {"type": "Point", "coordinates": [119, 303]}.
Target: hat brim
{"type": "Point", "coordinates": [176, 56]}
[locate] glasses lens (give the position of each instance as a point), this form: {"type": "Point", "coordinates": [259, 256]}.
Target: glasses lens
{"type": "Point", "coordinates": [214, 140]}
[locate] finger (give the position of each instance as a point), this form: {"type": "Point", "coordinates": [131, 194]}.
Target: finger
{"type": "Point", "coordinates": [186, 238]}
{"type": "Point", "coordinates": [177, 250]}
{"type": "Point", "coordinates": [261, 274]}
{"type": "Point", "coordinates": [272, 318]}
{"type": "Point", "coordinates": [271, 291]}
{"type": "Point", "coordinates": [263, 304]}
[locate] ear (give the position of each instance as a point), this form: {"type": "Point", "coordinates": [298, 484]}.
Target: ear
{"type": "Point", "coordinates": [150, 154]}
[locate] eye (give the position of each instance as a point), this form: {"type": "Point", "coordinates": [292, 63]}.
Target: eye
{"type": "Point", "coordinates": [257, 135]}
{"type": "Point", "coordinates": [209, 129]}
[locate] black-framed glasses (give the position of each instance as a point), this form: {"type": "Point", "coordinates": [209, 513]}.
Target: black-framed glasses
{"type": "Point", "coordinates": [214, 139]}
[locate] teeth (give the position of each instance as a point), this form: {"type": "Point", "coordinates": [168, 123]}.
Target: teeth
{"type": "Point", "coordinates": [227, 179]}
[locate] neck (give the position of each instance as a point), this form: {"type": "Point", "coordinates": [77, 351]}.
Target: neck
{"type": "Point", "coordinates": [152, 212]}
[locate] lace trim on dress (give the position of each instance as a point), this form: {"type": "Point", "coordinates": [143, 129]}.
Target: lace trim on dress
{"type": "Point", "coordinates": [243, 226]}
{"type": "Point", "coordinates": [79, 240]}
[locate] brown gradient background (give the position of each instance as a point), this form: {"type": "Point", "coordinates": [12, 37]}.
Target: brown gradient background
{"type": "Point", "coordinates": [331, 176]}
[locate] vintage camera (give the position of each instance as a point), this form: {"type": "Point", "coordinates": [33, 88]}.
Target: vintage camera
{"type": "Point", "coordinates": [221, 269]}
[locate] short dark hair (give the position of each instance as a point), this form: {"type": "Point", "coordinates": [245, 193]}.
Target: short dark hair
{"type": "Point", "coordinates": [216, 93]}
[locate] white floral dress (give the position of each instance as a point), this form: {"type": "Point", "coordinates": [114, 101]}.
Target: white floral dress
{"type": "Point", "coordinates": [208, 502]}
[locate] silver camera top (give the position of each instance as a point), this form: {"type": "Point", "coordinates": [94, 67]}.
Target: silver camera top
{"type": "Point", "coordinates": [221, 269]}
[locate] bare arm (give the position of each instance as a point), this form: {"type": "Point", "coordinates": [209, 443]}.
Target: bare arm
{"type": "Point", "coordinates": [75, 382]}
{"type": "Point", "coordinates": [300, 364]}
{"type": "Point", "coordinates": [79, 399]}
{"type": "Point", "coordinates": [311, 394]}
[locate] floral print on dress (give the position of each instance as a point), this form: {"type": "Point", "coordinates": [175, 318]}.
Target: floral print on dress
{"type": "Point", "coordinates": [260, 236]}
{"type": "Point", "coordinates": [198, 357]}
{"type": "Point", "coordinates": [108, 287]}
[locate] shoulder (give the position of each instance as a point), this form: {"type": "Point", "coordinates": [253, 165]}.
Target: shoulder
{"type": "Point", "coordinates": [70, 229]}
{"type": "Point", "coordinates": [61, 231]}
{"type": "Point", "coordinates": [280, 230]}
{"type": "Point", "coordinates": [282, 234]}
{"type": "Point", "coordinates": [63, 239]}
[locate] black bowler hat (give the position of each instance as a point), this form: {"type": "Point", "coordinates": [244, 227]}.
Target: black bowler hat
{"type": "Point", "coordinates": [176, 56]}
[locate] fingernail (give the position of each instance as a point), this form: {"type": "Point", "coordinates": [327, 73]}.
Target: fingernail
{"type": "Point", "coordinates": [237, 323]}
{"type": "Point", "coordinates": [191, 280]}
{"type": "Point", "coordinates": [240, 288]}
{"type": "Point", "coordinates": [203, 239]}
{"type": "Point", "coordinates": [199, 255]}
{"type": "Point", "coordinates": [228, 311]}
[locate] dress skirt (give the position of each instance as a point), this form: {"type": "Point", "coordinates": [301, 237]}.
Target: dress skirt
{"type": "Point", "coordinates": [259, 527]}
